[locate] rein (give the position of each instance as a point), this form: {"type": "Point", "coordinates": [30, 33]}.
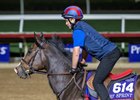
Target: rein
{"type": "Point", "coordinates": [50, 74]}
{"type": "Point", "coordinates": [73, 79]}
{"type": "Point", "coordinates": [32, 70]}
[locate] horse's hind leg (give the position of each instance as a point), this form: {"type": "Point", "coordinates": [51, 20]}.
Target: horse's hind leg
{"type": "Point", "coordinates": [137, 90]}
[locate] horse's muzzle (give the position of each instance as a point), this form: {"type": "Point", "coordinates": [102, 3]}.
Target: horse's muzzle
{"type": "Point", "coordinates": [20, 72]}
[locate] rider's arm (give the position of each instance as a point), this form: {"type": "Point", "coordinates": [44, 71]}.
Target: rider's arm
{"type": "Point", "coordinates": [75, 56]}
{"type": "Point", "coordinates": [78, 41]}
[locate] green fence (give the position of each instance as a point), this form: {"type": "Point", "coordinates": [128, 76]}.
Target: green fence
{"type": "Point", "coordinates": [59, 25]}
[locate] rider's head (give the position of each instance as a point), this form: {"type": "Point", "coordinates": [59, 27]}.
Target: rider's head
{"type": "Point", "coordinates": [72, 14]}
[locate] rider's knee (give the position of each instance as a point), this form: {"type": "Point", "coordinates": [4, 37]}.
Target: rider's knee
{"type": "Point", "coordinates": [96, 83]}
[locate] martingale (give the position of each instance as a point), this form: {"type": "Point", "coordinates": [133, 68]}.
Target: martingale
{"type": "Point", "coordinates": [120, 86]}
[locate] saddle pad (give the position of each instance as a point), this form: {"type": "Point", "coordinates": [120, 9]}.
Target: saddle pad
{"type": "Point", "coordinates": [123, 90]}
{"type": "Point", "coordinates": [90, 82]}
{"type": "Point", "coordinates": [90, 93]}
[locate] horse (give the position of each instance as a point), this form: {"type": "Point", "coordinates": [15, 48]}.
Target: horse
{"type": "Point", "coordinates": [50, 58]}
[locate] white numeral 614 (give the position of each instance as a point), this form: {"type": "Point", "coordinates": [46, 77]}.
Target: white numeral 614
{"type": "Point", "coordinates": [118, 87]}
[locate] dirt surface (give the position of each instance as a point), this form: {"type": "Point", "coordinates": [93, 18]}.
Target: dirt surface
{"type": "Point", "coordinates": [14, 88]}
{"type": "Point", "coordinates": [36, 88]}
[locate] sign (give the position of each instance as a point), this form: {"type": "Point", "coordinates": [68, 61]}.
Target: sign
{"type": "Point", "coordinates": [69, 47]}
{"type": "Point", "coordinates": [134, 52]}
{"type": "Point", "coordinates": [4, 53]}
{"type": "Point", "coordinates": [123, 90]}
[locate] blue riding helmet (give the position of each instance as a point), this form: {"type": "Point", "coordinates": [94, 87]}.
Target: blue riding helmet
{"type": "Point", "coordinates": [72, 12]}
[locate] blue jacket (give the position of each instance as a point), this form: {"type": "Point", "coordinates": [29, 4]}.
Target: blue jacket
{"type": "Point", "coordinates": [95, 44]}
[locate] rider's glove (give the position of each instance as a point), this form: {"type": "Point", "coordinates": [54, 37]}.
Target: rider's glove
{"type": "Point", "coordinates": [82, 65]}
{"type": "Point", "coordinates": [74, 70]}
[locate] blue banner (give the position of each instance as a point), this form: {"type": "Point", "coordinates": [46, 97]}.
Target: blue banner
{"type": "Point", "coordinates": [4, 53]}
{"type": "Point", "coordinates": [69, 47]}
{"type": "Point", "coordinates": [134, 52]}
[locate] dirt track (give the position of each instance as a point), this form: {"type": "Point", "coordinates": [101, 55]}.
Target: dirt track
{"type": "Point", "coordinates": [36, 88]}
{"type": "Point", "coordinates": [14, 88]}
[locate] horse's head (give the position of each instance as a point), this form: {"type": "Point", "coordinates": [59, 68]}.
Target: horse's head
{"type": "Point", "coordinates": [34, 59]}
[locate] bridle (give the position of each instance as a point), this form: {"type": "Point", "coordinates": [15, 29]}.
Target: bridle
{"type": "Point", "coordinates": [32, 70]}
{"type": "Point", "coordinates": [29, 65]}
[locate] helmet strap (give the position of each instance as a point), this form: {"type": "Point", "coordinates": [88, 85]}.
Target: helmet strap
{"type": "Point", "coordinates": [72, 24]}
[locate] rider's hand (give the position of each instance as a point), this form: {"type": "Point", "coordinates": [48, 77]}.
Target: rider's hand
{"type": "Point", "coordinates": [83, 63]}
{"type": "Point", "coordinates": [74, 70]}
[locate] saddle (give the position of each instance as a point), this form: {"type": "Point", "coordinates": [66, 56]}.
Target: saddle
{"type": "Point", "coordinates": [120, 75]}
{"type": "Point", "coordinates": [111, 76]}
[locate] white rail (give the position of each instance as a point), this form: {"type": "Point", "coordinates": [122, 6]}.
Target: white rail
{"type": "Point", "coordinates": [58, 17]}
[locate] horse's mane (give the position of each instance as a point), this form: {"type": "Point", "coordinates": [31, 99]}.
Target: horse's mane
{"type": "Point", "coordinates": [58, 43]}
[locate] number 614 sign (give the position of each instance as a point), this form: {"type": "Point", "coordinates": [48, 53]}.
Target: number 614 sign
{"type": "Point", "coordinates": [118, 87]}
{"type": "Point", "coordinates": [122, 89]}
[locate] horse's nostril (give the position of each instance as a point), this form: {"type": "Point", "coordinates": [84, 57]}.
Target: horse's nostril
{"type": "Point", "coordinates": [15, 69]}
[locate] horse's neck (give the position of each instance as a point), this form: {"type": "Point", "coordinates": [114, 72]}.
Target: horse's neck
{"type": "Point", "coordinates": [58, 64]}
{"type": "Point", "coordinates": [58, 82]}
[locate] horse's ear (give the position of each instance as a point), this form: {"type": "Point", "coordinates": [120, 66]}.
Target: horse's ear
{"type": "Point", "coordinates": [36, 37]}
{"type": "Point", "coordinates": [42, 37]}
{"type": "Point", "coordinates": [37, 40]}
